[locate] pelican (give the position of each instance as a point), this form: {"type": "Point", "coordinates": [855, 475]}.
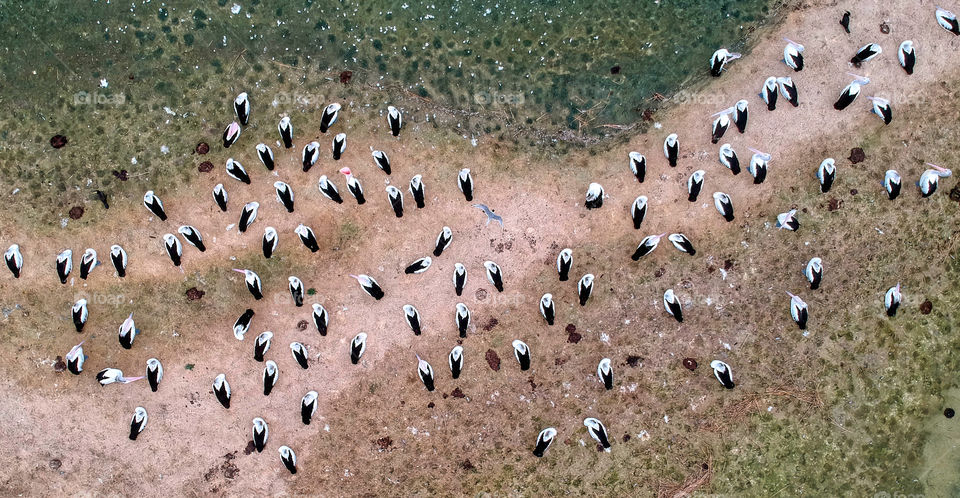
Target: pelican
{"type": "Point", "coordinates": [64, 265]}
{"type": "Point", "coordinates": [138, 423]}
{"type": "Point", "coordinates": [253, 283]}
{"type": "Point", "coordinates": [598, 432]}
{"type": "Point", "coordinates": [769, 93]}
{"type": "Point", "coordinates": [646, 246]}
{"type": "Point", "coordinates": [788, 221]}
{"type": "Point", "coordinates": [329, 190]}
{"type": "Point", "coordinates": [128, 332]}
{"type": "Point", "coordinates": [394, 120]}
{"type": "Point", "coordinates": [286, 132]}
{"type": "Point", "coordinates": [381, 160]}
{"type": "Point", "coordinates": [672, 304]}
{"type": "Point", "coordinates": [891, 300]}
{"type": "Point", "coordinates": [814, 272]}
{"type": "Point", "coordinates": [296, 290]}
{"type": "Point", "coordinates": [192, 236]}
{"type": "Point", "coordinates": [850, 92]}
{"type": "Point", "coordinates": [443, 241]}
{"type": "Point", "coordinates": [308, 406]}
{"type": "Point", "coordinates": [456, 361]}
{"type": "Point", "coordinates": [220, 197]}
{"type": "Point", "coordinates": [307, 237]}
{"type": "Point", "coordinates": [793, 55]}
{"type": "Point", "coordinates": [339, 145]}
{"type": "Point", "coordinates": [88, 261]}
{"type": "Point", "coordinates": [329, 116]}
{"type": "Point", "coordinates": [230, 134]}
{"type": "Point", "coordinates": [881, 107]}
{"type": "Point", "coordinates": [75, 359]}
{"type": "Point", "coordinates": [310, 155]}
{"type": "Point", "coordinates": [585, 288]}
{"type": "Point", "coordinates": [119, 258]}
{"type": "Point", "coordinates": [740, 114]}
{"type": "Point", "coordinates": [798, 310]}
{"type": "Point", "coordinates": [174, 249]}
{"type": "Point", "coordinates": [723, 373]}
{"type": "Point", "coordinates": [547, 308]}
{"type": "Point", "coordinates": [719, 60]}
{"type": "Point", "coordinates": [930, 179]}
{"type": "Point", "coordinates": [724, 205]}
{"type": "Point", "coordinates": [242, 325]}
{"type": "Point", "coordinates": [948, 21]}
{"type": "Point", "coordinates": [270, 374]}
{"type": "Point", "coordinates": [416, 190]}
{"type": "Point", "coordinates": [494, 275]}
{"type": "Point", "coordinates": [353, 185]}
{"type": "Point", "coordinates": [671, 148]}
{"type": "Point", "coordinates": [284, 195]}
{"type": "Point", "coordinates": [682, 243]}
{"type": "Point", "coordinates": [270, 241]}
{"type": "Point", "coordinates": [395, 196]}
{"type": "Point", "coordinates": [154, 205]}
{"type": "Point", "coordinates": [14, 260]}
{"type": "Point", "coordinates": [459, 277]}
{"type": "Point", "coordinates": [594, 197]}
{"type": "Point", "coordinates": [222, 389]}
{"type": "Point", "coordinates": [260, 434]}
{"type": "Point", "coordinates": [262, 345]}
{"type": "Point", "coordinates": [729, 159]}
{"type": "Point", "coordinates": [638, 165]}
{"type": "Point", "coordinates": [462, 318]}
{"type": "Point", "coordinates": [299, 352]}
{"type": "Point", "coordinates": [544, 440]}
{"type": "Point", "coordinates": [465, 182]}
{"type": "Point", "coordinates": [891, 183]}
{"type": "Point", "coordinates": [522, 352]}
{"type": "Point", "coordinates": [369, 285]}
{"type": "Point", "coordinates": [266, 156]}
{"type": "Point", "coordinates": [866, 52]}
{"type": "Point", "coordinates": [425, 372]}
{"type": "Point", "coordinates": [720, 125]}
{"type": "Point", "coordinates": [289, 459]}
{"type": "Point", "coordinates": [80, 314]}
{"type": "Point", "coordinates": [605, 373]}
{"type": "Point", "coordinates": [694, 185]}
{"type": "Point", "coordinates": [789, 90]}
{"type": "Point", "coordinates": [248, 215]}
{"type": "Point", "coordinates": [638, 211]}
{"type": "Point", "coordinates": [236, 171]}
{"type": "Point", "coordinates": [826, 174]}
{"type": "Point", "coordinates": [357, 346]}
{"type": "Point", "coordinates": [111, 375]}
{"type": "Point", "coordinates": [758, 166]}
{"type": "Point", "coordinates": [907, 55]}
{"type": "Point", "coordinates": [418, 266]}
{"type": "Point", "coordinates": [154, 373]}
{"type": "Point", "coordinates": [241, 106]}
{"type": "Point", "coordinates": [412, 316]}
{"type": "Point", "coordinates": [320, 318]}
{"type": "Point", "coordinates": [564, 262]}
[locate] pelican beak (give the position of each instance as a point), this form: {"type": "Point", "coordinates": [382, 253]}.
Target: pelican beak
{"type": "Point", "coordinates": [240, 271]}
{"type": "Point", "coordinates": [345, 171]}
{"type": "Point", "coordinates": [131, 379]}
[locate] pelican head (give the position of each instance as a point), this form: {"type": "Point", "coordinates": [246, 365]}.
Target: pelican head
{"type": "Point", "coordinates": [944, 172]}
{"type": "Point", "coordinates": [763, 155]}
{"type": "Point", "coordinates": [798, 46]}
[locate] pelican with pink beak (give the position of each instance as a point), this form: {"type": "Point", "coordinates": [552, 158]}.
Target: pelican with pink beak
{"type": "Point", "coordinates": [253, 283]}
{"type": "Point", "coordinates": [647, 245]}
{"type": "Point", "coordinates": [891, 300]}
{"type": "Point", "coordinates": [758, 166]}
{"type": "Point", "coordinates": [369, 285]}
{"type": "Point", "coordinates": [75, 359]}
{"type": "Point", "coordinates": [112, 375]}
{"type": "Point", "coordinates": [353, 185]}
{"type": "Point", "coordinates": [798, 310]}
{"type": "Point", "coordinates": [930, 179]}
{"type": "Point", "coordinates": [793, 55]}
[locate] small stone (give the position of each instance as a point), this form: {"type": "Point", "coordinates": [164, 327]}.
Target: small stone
{"type": "Point", "coordinates": [493, 360]}
{"type": "Point", "coordinates": [302, 325]}
{"type": "Point", "coordinates": [481, 294]}
{"type": "Point", "coordinates": [457, 393]}
{"type": "Point", "coordinates": [55, 464]}
{"type": "Point", "coordinates": [626, 437]}
{"type": "Point", "coordinates": [885, 28]}
{"type": "Point", "coordinates": [194, 294]}
{"type": "Point", "coordinates": [58, 141]}
{"type": "Point", "coordinates": [59, 365]}
{"type": "Point", "coordinates": [857, 155]}
{"type": "Point", "coordinates": [690, 364]}
{"type": "Point", "coordinates": [205, 167]}
{"type": "Point", "coordinates": [854, 191]}
{"type": "Point", "coordinates": [949, 413]}
{"type": "Point", "coordinates": [574, 337]}
{"type": "Point", "coordinates": [202, 148]}
{"type": "Point", "coordinates": [76, 212]}
{"type": "Point", "coordinates": [430, 405]}
{"type": "Point", "coordinates": [926, 307]}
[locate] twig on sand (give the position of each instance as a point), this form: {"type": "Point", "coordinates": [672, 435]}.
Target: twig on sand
{"type": "Point", "coordinates": [688, 486]}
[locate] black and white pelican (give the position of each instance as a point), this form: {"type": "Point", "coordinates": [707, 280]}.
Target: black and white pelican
{"type": "Point", "coordinates": [270, 241]}
{"type": "Point", "coordinates": [284, 195]}
{"type": "Point", "coordinates": [119, 258]}
{"type": "Point", "coordinates": [793, 55]}
{"type": "Point", "coordinates": [850, 92]}
{"type": "Point", "coordinates": [296, 290]}
{"type": "Point", "coordinates": [230, 134]}
{"type": "Point", "coordinates": [826, 174]}
{"type": "Point", "coordinates": [127, 332]}
{"type": "Point", "coordinates": [308, 406]}
{"type": "Point", "coordinates": [682, 243]}
{"type": "Point", "coordinates": [547, 309]}
{"type": "Point", "coordinates": [789, 90]}
{"type": "Point", "coordinates": [723, 373]}
{"type": "Point", "coordinates": [220, 197]}
{"type": "Point", "coordinates": [425, 372]}
{"type": "Point", "coordinates": [594, 198]}
{"type": "Point", "coordinates": [443, 241]}
{"type": "Point", "coordinates": [544, 440]}
{"type": "Point", "coordinates": [598, 432]}
{"type": "Point", "coordinates": [695, 185]}
{"type": "Point", "coordinates": [261, 432]}
{"type": "Point", "coordinates": [638, 165]}
{"type": "Point", "coordinates": [173, 247]}
{"type": "Point", "coordinates": [266, 156]}
{"type": "Point", "coordinates": [605, 373]}
{"type": "Point", "coordinates": [930, 179]}
{"type": "Point", "coordinates": [154, 373]}
{"type": "Point", "coordinates": [394, 120]}
{"type": "Point", "coordinates": [75, 359]}
{"type": "Point", "coordinates": [646, 246]}
{"type": "Point", "coordinates": [741, 112]}
{"type": "Point", "coordinates": [242, 325]}
{"type": "Point", "coordinates": [788, 221]}
{"type": "Point", "coordinates": [14, 259]}
{"type": "Point", "coordinates": [522, 353]}
{"type": "Point", "coordinates": [64, 265]}
{"type": "Point", "coordinates": [357, 346]}
{"type": "Point", "coordinates": [285, 127]}
{"type": "Point", "coordinates": [564, 263]}
{"type": "Point", "coordinates": [339, 145]}
{"type": "Point", "coordinates": [329, 190]}
{"type": "Point", "coordinates": [462, 317]}
{"type": "Point", "coordinates": [907, 55]}
{"type": "Point", "coordinates": [418, 266]}
{"type": "Point", "coordinates": [769, 92]}
{"type": "Point", "coordinates": [455, 360]}
{"type": "Point", "coordinates": [395, 196]}
{"type": "Point", "coordinates": [585, 288]}
{"type": "Point", "coordinates": [299, 352]}
{"type": "Point", "coordinates": [814, 272]}
{"type": "Point", "coordinates": [891, 300]}
{"type": "Point", "coordinates": [465, 183]}
{"type": "Point", "coordinates": [671, 148]}
{"type": "Point", "coordinates": [758, 166]}
{"type": "Point", "coordinates": [253, 282]}
{"type": "Point", "coordinates": [948, 21]}
{"type": "Point", "coordinates": [236, 171]}
{"type": "Point", "coordinates": [416, 190]}
{"type": "Point", "coordinates": [729, 159]}
{"type": "Point", "coordinates": [881, 107]}
{"type": "Point", "coordinates": [88, 261]}
{"type": "Point", "coordinates": [111, 375]}
{"type": "Point", "coordinates": [720, 125]}
{"type": "Point", "coordinates": [307, 237]}
{"type": "Point", "coordinates": [320, 318]}
{"type": "Point", "coordinates": [671, 303]}
{"type": "Point", "coordinates": [329, 116]}
{"type": "Point", "coordinates": [353, 185]}
{"type": "Point", "coordinates": [310, 155]}
{"type": "Point", "coordinates": [719, 60]}
{"type": "Point", "coordinates": [412, 316]}
{"type": "Point", "coordinates": [221, 388]}
{"type": "Point", "coordinates": [459, 277]}
{"type": "Point", "coordinates": [866, 52]}
{"type": "Point", "coordinates": [154, 205]}
{"type": "Point", "coordinates": [724, 205]}
{"type": "Point", "coordinates": [369, 285]}
{"type": "Point", "coordinates": [192, 236]}
{"type": "Point", "coordinates": [798, 311]}
{"type": "Point", "coordinates": [289, 459]}
{"type": "Point", "coordinates": [138, 422]}
{"type": "Point", "coordinates": [892, 183]}
{"type": "Point", "coordinates": [241, 106]}
{"type": "Point", "coordinates": [248, 215]}
{"type": "Point", "coordinates": [638, 211]}
{"type": "Point", "coordinates": [80, 313]}
{"type": "Point", "coordinates": [270, 374]}
{"type": "Point", "coordinates": [494, 275]}
{"type": "Point", "coordinates": [382, 161]}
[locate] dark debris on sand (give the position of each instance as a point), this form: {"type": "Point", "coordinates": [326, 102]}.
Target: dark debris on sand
{"type": "Point", "coordinates": [58, 141]}
{"type": "Point", "coordinates": [493, 360]}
